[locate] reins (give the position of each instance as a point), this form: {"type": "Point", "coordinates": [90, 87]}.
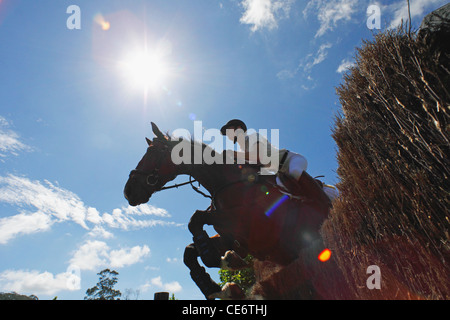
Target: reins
{"type": "Point", "coordinates": [191, 182]}
{"type": "Point", "coordinates": [179, 185]}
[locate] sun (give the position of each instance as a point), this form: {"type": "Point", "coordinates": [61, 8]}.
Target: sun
{"type": "Point", "coordinates": [145, 70]}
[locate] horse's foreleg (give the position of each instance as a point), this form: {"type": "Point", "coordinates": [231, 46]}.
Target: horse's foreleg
{"type": "Point", "coordinates": [201, 278]}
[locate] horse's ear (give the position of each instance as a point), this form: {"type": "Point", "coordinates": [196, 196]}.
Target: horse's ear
{"type": "Point", "coordinates": [149, 142]}
{"type": "Point", "coordinates": [157, 132]}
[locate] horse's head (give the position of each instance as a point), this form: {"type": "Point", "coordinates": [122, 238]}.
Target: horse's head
{"type": "Point", "coordinates": [153, 171]}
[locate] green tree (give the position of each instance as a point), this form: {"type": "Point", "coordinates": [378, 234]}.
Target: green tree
{"type": "Point", "coordinates": [244, 278]}
{"type": "Point", "coordinates": [16, 296]}
{"type": "Point", "coordinates": [104, 289]}
{"type": "Point", "coordinates": [173, 297]}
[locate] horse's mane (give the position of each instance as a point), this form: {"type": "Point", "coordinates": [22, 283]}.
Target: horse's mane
{"type": "Point", "coordinates": [176, 140]}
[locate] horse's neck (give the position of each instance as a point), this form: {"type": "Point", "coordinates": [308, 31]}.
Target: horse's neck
{"type": "Point", "coordinates": [211, 177]}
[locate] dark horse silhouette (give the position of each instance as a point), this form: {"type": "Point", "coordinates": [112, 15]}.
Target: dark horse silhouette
{"type": "Point", "coordinates": [248, 211]}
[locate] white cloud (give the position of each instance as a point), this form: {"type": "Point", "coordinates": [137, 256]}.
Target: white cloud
{"type": "Point", "coordinates": [100, 232]}
{"type": "Point", "coordinates": [146, 209]}
{"type": "Point", "coordinates": [94, 254]}
{"type": "Point", "coordinates": [157, 282]}
{"type": "Point", "coordinates": [329, 13]}
{"type": "Point", "coordinates": [125, 257]}
{"type": "Point", "coordinates": [43, 204]}
{"type": "Point", "coordinates": [286, 74]}
{"type": "Point", "coordinates": [318, 58]}
{"type": "Point", "coordinates": [306, 65]}
{"type": "Point", "coordinates": [92, 215]}
{"type": "Point", "coordinates": [123, 219]}
{"type": "Point", "coordinates": [345, 65]}
{"type": "Point", "coordinates": [264, 13]}
{"type": "Point", "coordinates": [172, 287]}
{"type": "Point", "coordinates": [23, 223]}
{"type": "Point", "coordinates": [91, 255]}
{"type": "Point", "coordinates": [35, 282]}
{"type": "Point", "coordinates": [9, 140]}
{"type": "Point", "coordinates": [400, 10]}
{"type": "Point", "coordinates": [46, 198]}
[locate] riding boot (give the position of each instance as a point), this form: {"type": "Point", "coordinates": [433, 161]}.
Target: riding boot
{"type": "Point", "coordinates": [307, 187]}
{"type": "Point", "coordinates": [203, 280]}
{"type": "Point", "coordinates": [206, 250]}
{"type": "Point", "coordinates": [313, 189]}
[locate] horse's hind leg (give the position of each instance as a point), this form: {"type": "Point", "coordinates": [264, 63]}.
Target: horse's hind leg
{"type": "Point", "coordinates": [206, 248]}
{"type": "Point", "coordinates": [201, 278]}
{"type": "Point", "coordinates": [233, 261]}
{"type": "Point", "coordinates": [214, 251]}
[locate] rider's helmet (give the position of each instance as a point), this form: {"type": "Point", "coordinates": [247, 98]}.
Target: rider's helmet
{"type": "Point", "coordinates": [233, 123]}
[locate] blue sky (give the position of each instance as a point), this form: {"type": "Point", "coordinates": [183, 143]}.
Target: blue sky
{"type": "Point", "coordinates": [74, 114]}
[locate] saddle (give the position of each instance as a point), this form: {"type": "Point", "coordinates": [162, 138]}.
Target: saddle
{"type": "Point", "coordinates": [306, 188]}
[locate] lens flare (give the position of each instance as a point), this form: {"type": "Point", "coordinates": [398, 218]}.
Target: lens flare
{"type": "Point", "coordinates": [276, 204]}
{"type": "Point", "coordinates": [325, 255]}
{"type": "Point", "coordinates": [100, 20]}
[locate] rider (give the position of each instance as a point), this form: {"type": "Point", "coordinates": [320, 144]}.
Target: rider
{"type": "Point", "coordinates": [292, 165]}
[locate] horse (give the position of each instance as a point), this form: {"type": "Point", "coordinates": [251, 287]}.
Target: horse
{"type": "Point", "coordinates": [250, 212]}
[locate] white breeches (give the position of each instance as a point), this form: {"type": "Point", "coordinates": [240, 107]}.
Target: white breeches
{"type": "Point", "coordinates": [295, 165]}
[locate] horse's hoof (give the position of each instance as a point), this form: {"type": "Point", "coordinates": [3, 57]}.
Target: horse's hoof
{"type": "Point", "coordinates": [232, 261]}
{"type": "Point", "coordinates": [230, 291]}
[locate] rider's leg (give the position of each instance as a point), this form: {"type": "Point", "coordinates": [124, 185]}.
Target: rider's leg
{"type": "Point", "coordinates": [297, 165]}
{"type": "Point", "coordinates": [294, 166]}
{"type": "Point", "coordinates": [312, 190]}
{"type": "Point", "coordinates": [305, 185]}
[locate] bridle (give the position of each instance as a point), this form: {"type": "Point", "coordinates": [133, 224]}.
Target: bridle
{"type": "Point", "coordinates": [153, 178]}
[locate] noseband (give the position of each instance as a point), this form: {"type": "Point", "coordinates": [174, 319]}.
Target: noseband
{"type": "Point", "coordinates": [153, 177]}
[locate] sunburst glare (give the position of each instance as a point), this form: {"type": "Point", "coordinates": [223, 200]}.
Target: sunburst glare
{"type": "Point", "coordinates": [145, 70]}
